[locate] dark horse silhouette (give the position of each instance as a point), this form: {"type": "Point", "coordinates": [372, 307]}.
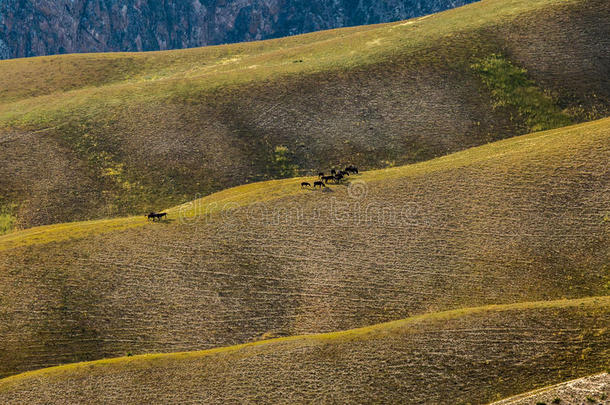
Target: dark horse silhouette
{"type": "Point", "coordinates": [305, 184]}
{"type": "Point", "coordinates": [321, 174]}
{"type": "Point", "coordinates": [327, 178]}
{"type": "Point", "coordinates": [156, 216]}
{"type": "Point", "coordinates": [318, 183]}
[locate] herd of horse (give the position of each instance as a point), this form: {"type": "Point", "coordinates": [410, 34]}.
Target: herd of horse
{"type": "Point", "coordinates": [335, 175]}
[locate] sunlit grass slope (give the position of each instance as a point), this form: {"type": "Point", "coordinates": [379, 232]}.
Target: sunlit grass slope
{"type": "Point", "coordinates": [523, 219]}
{"type": "Point", "coordinates": [465, 356]}
{"type": "Point", "coordinates": [93, 136]}
{"type": "Point", "coordinates": [327, 49]}
{"type": "Point", "coordinates": [523, 147]}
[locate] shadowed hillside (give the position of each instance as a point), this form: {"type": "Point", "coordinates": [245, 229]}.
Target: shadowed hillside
{"type": "Point", "coordinates": [92, 136]}
{"type": "Point", "coordinates": [518, 220]}
{"type": "Point", "coordinates": [469, 356]}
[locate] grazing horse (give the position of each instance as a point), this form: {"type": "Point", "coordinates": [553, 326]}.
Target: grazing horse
{"type": "Point", "coordinates": [155, 216]}
{"type": "Point", "coordinates": [305, 184]}
{"type": "Point", "coordinates": [327, 178]}
{"type": "Point", "coordinates": [318, 183]}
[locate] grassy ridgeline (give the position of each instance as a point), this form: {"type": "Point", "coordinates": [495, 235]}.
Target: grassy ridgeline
{"type": "Point", "coordinates": [467, 356]}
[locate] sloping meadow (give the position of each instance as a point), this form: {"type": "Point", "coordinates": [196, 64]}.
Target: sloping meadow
{"type": "Point", "coordinates": [468, 356]}
{"type": "Point", "coordinates": [517, 220]}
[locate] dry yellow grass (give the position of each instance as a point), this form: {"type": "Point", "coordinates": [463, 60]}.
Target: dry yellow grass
{"type": "Point", "coordinates": [466, 356]}
{"type": "Point", "coordinates": [518, 220]}
{"type": "Point", "coordinates": [516, 149]}
{"type": "Point", "coordinates": [510, 237]}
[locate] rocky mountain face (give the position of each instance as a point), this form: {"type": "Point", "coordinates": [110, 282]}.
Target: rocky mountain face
{"type": "Point", "coordinates": [46, 27]}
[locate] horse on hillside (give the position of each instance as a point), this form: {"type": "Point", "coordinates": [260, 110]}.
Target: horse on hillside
{"type": "Point", "coordinates": [156, 216]}
{"type": "Point", "coordinates": [327, 178]}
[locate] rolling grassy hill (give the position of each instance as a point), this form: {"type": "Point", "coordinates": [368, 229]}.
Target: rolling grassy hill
{"type": "Point", "coordinates": [94, 136]}
{"type": "Point", "coordinates": [467, 356]}
{"type": "Point", "coordinates": [523, 219]}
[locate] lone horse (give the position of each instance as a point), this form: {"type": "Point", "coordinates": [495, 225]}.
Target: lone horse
{"type": "Point", "coordinates": [156, 216]}
{"type": "Point", "coordinates": [305, 184]}
{"type": "Point", "coordinates": [318, 183]}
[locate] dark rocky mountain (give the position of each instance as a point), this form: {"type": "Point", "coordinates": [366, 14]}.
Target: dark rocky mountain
{"type": "Point", "coordinates": [46, 27]}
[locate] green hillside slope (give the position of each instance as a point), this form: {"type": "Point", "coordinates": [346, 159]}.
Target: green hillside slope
{"type": "Point", "coordinates": [523, 219]}
{"type": "Point", "coordinates": [94, 136]}
{"type": "Point", "coordinates": [468, 356]}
